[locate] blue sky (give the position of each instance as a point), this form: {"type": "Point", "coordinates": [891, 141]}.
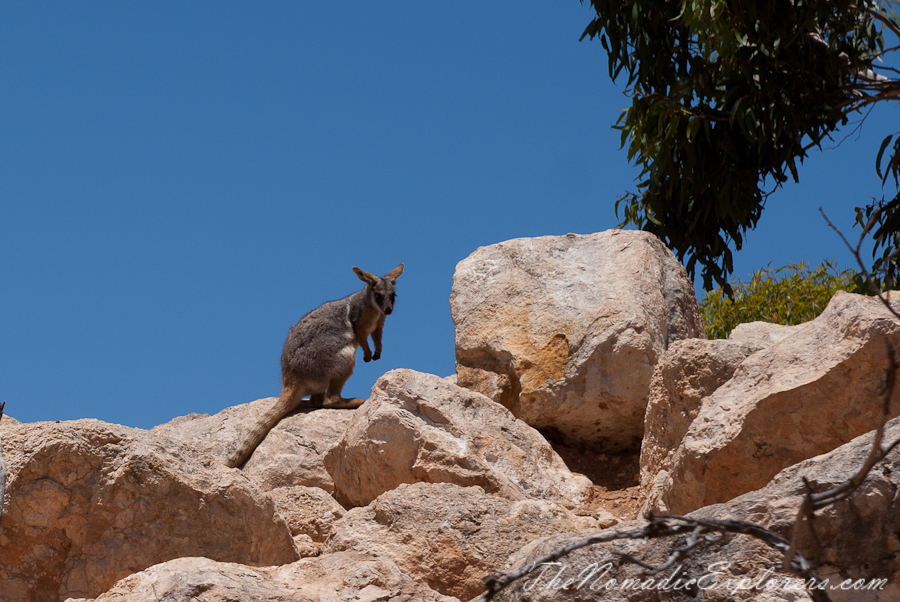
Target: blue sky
{"type": "Point", "coordinates": [181, 182]}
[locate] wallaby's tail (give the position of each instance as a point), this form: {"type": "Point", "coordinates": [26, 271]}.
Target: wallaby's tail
{"type": "Point", "coordinates": [287, 401]}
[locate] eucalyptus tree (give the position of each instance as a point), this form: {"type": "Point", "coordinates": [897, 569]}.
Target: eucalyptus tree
{"type": "Point", "coordinates": [729, 96]}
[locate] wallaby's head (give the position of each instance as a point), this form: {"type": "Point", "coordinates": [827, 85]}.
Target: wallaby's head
{"type": "Point", "coordinates": [381, 290]}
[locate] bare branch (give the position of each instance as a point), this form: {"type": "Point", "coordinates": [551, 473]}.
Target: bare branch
{"type": "Point", "coordinates": [859, 261]}
{"type": "Point", "coordinates": [816, 501]}
{"type": "Point", "coordinates": [876, 454]}
{"type": "Point", "coordinates": [664, 526]}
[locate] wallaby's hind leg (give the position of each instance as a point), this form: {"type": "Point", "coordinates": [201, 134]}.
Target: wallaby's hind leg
{"type": "Point", "coordinates": [317, 400]}
{"type": "Point", "coordinates": [287, 401]}
{"type": "Point", "coordinates": [333, 397]}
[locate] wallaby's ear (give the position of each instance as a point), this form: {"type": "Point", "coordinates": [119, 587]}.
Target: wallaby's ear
{"type": "Point", "coordinates": [394, 274]}
{"type": "Point", "coordinates": [365, 276]}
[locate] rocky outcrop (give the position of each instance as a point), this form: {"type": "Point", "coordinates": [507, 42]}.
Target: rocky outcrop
{"type": "Point", "coordinates": [343, 577]}
{"type": "Point", "coordinates": [446, 486]}
{"type": "Point", "coordinates": [856, 540]}
{"type": "Point", "coordinates": [89, 503]}
{"type": "Point", "coordinates": [565, 330]}
{"type": "Point", "coordinates": [449, 537]}
{"type": "Point", "coordinates": [420, 428]}
{"type": "Point", "coordinates": [805, 395]}
{"type": "Point", "coordinates": [290, 455]}
{"type": "Point", "coordinates": [690, 371]}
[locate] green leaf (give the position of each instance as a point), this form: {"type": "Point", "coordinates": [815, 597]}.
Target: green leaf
{"type": "Point", "coordinates": [884, 144]}
{"type": "Point", "coordinates": [893, 14]}
{"type": "Point", "coordinates": [693, 126]}
{"type": "Point", "coordinates": [734, 109]}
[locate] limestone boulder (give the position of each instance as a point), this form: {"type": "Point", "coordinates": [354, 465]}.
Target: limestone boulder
{"type": "Point", "coordinates": [290, 455]}
{"type": "Point", "coordinates": [805, 395]}
{"type": "Point", "coordinates": [418, 427]}
{"type": "Point", "coordinates": [449, 537]}
{"type": "Point", "coordinates": [687, 373]}
{"type": "Point", "coordinates": [855, 546]}
{"type": "Point", "coordinates": [89, 503]}
{"type": "Point", "coordinates": [565, 330]}
{"type": "Point", "coordinates": [343, 577]}
{"type": "Point", "coordinates": [310, 513]}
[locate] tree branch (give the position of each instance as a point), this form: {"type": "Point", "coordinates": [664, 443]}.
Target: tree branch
{"type": "Point", "coordinates": [856, 253]}
{"type": "Point", "coordinates": [663, 526]}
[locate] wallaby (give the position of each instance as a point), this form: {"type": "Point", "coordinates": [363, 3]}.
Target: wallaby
{"type": "Point", "coordinates": [320, 352]}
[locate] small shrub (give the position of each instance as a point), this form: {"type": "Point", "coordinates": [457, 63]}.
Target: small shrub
{"type": "Point", "coordinates": [789, 295]}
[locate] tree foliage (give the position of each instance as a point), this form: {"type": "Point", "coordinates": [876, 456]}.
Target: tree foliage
{"type": "Point", "coordinates": [728, 97]}
{"type": "Point", "coordinates": [788, 295]}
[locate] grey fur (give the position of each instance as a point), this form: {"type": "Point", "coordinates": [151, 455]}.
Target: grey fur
{"type": "Point", "coordinates": [320, 353]}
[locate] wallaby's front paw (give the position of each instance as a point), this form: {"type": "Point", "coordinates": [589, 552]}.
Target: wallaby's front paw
{"type": "Point", "coordinates": [377, 355]}
{"type": "Point", "coordinates": [367, 357]}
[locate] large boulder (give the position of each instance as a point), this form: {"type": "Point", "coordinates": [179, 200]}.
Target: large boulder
{"type": "Point", "coordinates": [804, 395]}
{"type": "Point", "coordinates": [89, 503]}
{"type": "Point", "coordinates": [418, 427]}
{"type": "Point", "coordinates": [342, 577]}
{"type": "Point", "coordinates": [687, 373]}
{"type": "Point", "coordinates": [449, 537]}
{"type": "Point", "coordinates": [290, 455]}
{"type": "Point", "coordinates": [855, 545]}
{"type": "Point", "coordinates": [565, 330]}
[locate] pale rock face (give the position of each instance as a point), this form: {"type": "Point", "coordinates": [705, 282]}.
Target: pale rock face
{"type": "Point", "coordinates": [4, 419]}
{"type": "Point", "coordinates": [805, 395]}
{"type": "Point", "coordinates": [565, 330]}
{"type": "Point", "coordinates": [449, 537]}
{"type": "Point", "coordinates": [859, 535]}
{"type": "Point", "coordinates": [342, 577]}
{"type": "Point", "coordinates": [2, 478]}
{"type": "Point", "coordinates": [765, 334]}
{"type": "Point", "coordinates": [421, 428]}
{"type": "Point", "coordinates": [290, 455]}
{"type": "Point", "coordinates": [686, 374]}
{"type": "Point", "coordinates": [89, 503]}
{"type": "Point", "coordinates": [310, 513]}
